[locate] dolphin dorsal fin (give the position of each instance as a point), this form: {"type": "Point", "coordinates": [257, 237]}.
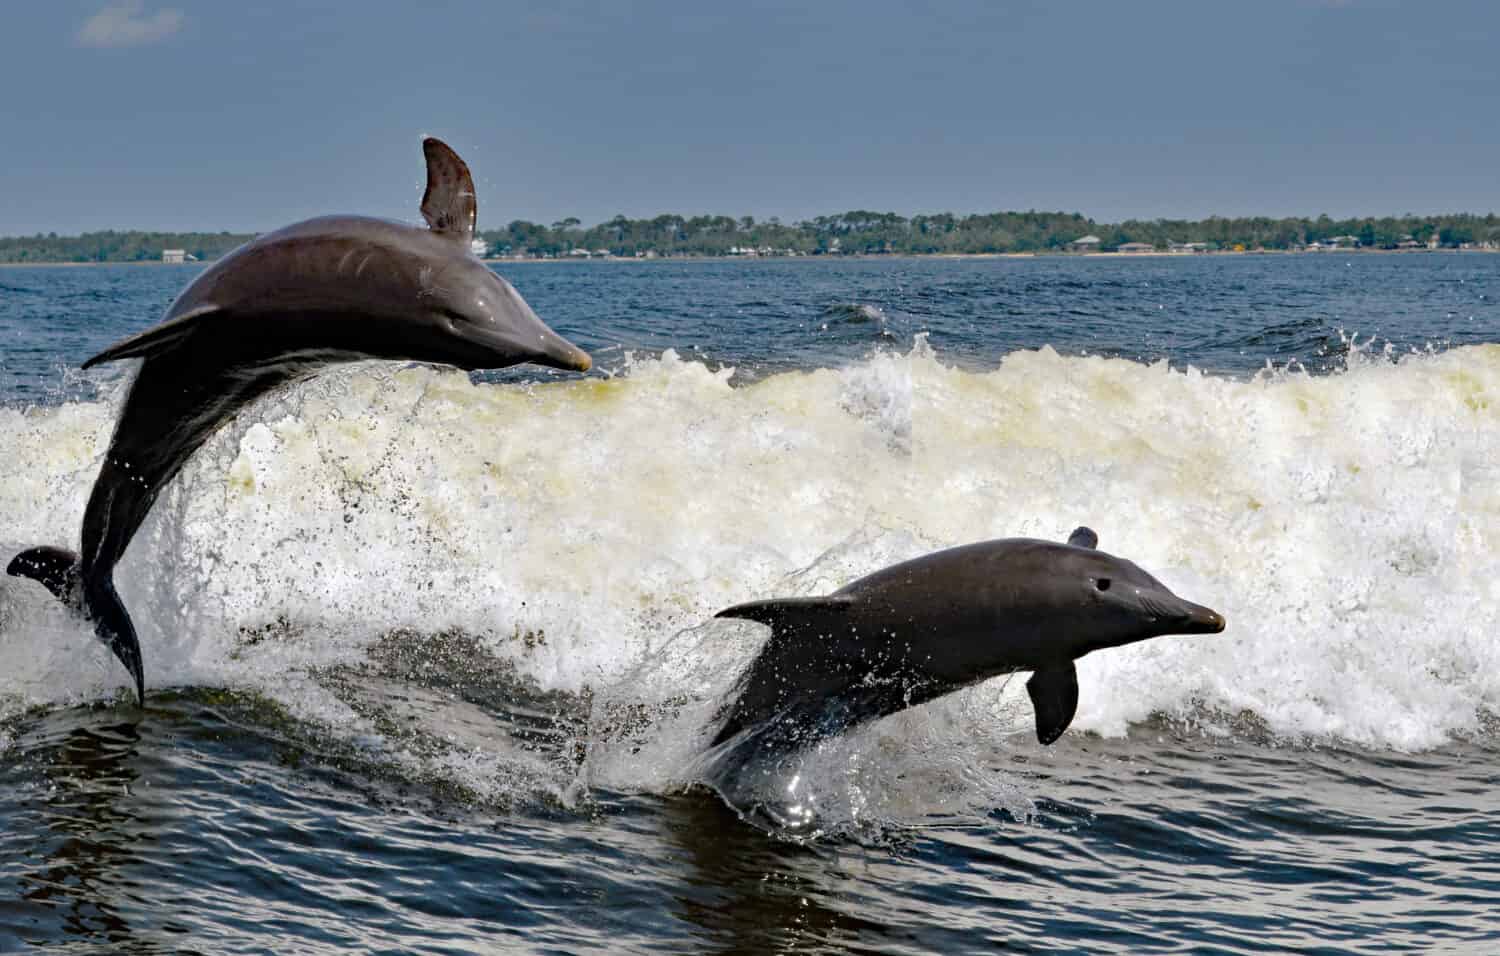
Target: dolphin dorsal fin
{"type": "Point", "coordinates": [1083, 537]}
{"type": "Point", "coordinates": [1054, 697]}
{"type": "Point", "coordinates": [448, 205]}
{"type": "Point", "coordinates": [787, 615]}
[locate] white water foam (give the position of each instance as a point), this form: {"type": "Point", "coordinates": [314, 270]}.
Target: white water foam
{"type": "Point", "coordinates": [1348, 527]}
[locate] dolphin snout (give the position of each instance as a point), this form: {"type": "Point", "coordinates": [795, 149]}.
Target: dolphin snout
{"type": "Point", "coordinates": [1173, 615]}
{"type": "Point", "coordinates": [1202, 620]}
{"type": "Point", "coordinates": [558, 352]}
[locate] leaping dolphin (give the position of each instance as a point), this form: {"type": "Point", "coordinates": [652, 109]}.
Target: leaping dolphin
{"type": "Point", "coordinates": [926, 627]}
{"type": "Point", "coordinates": [273, 311]}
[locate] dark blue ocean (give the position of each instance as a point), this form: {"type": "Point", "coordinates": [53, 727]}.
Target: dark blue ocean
{"type": "Point", "coordinates": [432, 661]}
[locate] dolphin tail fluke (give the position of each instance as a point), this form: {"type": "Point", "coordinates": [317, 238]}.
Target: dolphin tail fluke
{"type": "Point", "coordinates": [56, 569]}
{"type": "Point", "coordinates": [113, 626]}
{"type": "Point", "coordinates": [59, 571]}
{"type": "Point", "coordinates": [1054, 697]}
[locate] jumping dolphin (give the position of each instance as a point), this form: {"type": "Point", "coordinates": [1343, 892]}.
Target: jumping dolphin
{"type": "Point", "coordinates": [926, 627]}
{"type": "Point", "coordinates": [273, 311]}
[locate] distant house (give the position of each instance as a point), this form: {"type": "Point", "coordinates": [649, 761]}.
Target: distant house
{"type": "Point", "coordinates": [479, 247]}
{"type": "Point", "coordinates": [1433, 240]}
{"type": "Point", "coordinates": [1136, 247]}
{"type": "Point", "coordinates": [176, 257]}
{"type": "Point", "coordinates": [1085, 244]}
{"type": "Point", "coordinates": [1187, 247]}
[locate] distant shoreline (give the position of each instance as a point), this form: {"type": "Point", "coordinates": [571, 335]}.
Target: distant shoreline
{"type": "Point", "coordinates": [860, 233]}
{"type": "Point", "coordinates": [1154, 254]}
{"type": "Point", "coordinates": [90, 265]}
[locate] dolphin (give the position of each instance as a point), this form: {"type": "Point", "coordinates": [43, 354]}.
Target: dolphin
{"type": "Point", "coordinates": [929, 626]}
{"type": "Point", "coordinates": [272, 312]}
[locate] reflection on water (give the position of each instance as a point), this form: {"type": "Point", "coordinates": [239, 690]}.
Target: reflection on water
{"type": "Point", "coordinates": [204, 824]}
{"type": "Point", "coordinates": [748, 894]}
{"type": "Point", "coordinates": [81, 828]}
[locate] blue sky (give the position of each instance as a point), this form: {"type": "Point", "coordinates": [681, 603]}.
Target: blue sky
{"type": "Point", "coordinates": [177, 114]}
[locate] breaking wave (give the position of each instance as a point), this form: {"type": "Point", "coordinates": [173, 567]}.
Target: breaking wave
{"type": "Point", "coordinates": [406, 557]}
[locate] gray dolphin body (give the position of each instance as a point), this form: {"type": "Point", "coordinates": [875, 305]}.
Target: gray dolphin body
{"type": "Point", "coordinates": [926, 627]}
{"type": "Point", "coordinates": [275, 310]}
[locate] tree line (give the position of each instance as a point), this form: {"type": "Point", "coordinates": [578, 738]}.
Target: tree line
{"type": "Point", "coordinates": [860, 232]}
{"type": "Point", "coordinates": [112, 246]}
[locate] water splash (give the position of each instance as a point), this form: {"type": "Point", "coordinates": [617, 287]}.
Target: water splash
{"type": "Point", "coordinates": [1346, 524]}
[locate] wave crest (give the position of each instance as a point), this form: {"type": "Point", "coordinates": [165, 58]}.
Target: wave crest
{"type": "Point", "coordinates": [1347, 525]}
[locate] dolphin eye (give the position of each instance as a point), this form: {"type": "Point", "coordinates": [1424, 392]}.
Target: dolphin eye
{"type": "Point", "coordinates": [454, 319]}
{"type": "Point", "coordinates": [1102, 584]}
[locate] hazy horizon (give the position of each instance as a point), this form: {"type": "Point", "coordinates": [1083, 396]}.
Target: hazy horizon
{"type": "Point", "coordinates": [173, 115]}
{"type": "Point", "coordinates": [500, 227]}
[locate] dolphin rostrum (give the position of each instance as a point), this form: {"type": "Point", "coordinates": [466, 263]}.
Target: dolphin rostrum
{"type": "Point", "coordinates": [926, 627]}
{"type": "Point", "coordinates": [273, 311]}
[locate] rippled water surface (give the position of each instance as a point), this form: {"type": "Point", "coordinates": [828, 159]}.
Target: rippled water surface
{"type": "Point", "coordinates": [432, 660]}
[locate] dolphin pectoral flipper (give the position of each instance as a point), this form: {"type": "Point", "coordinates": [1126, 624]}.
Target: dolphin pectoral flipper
{"type": "Point", "coordinates": [155, 340]}
{"type": "Point", "coordinates": [56, 569]}
{"type": "Point", "coordinates": [1054, 697]}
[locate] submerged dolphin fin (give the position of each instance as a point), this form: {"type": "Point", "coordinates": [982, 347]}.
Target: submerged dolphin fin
{"type": "Point", "coordinates": [155, 340]}
{"type": "Point", "coordinates": [1054, 697]}
{"type": "Point", "coordinates": [768, 688]}
{"type": "Point", "coordinates": [56, 569]}
{"type": "Point", "coordinates": [1083, 537]}
{"type": "Point", "coordinates": [448, 205]}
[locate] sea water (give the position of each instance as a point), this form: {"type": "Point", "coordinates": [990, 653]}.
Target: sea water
{"type": "Point", "coordinates": [432, 661]}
